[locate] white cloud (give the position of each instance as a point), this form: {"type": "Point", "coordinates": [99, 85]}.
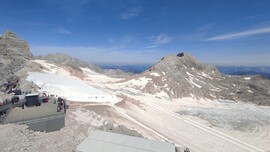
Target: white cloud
{"type": "Point", "coordinates": [38, 24]}
{"type": "Point", "coordinates": [239, 35]}
{"type": "Point", "coordinates": [252, 16]}
{"type": "Point", "coordinates": [73, 8]}
{"type": "Point", "coordinates": [204, 27]}
{"type": "Point", "coordinates": [161, 39]}
{"type": "Point", "coordinates": [62, 31]}
{"type": "Point", "coordinates": [151, 46]}
{"type": "Point", "coordinates": [123, 42]}
{"type": "Point", "coordinates": [131, 13]}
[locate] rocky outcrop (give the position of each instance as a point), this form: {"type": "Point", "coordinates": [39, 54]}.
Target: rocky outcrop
{"type": "Point", "coordinates": [12, 46]}
{"type": "Point", "coordinates": [14, 55]}
{"type": "Point", "coordinates": [183, 76]}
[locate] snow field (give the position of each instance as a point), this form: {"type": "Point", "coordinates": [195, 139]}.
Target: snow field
{"type": "Point", "coordinates": [73, 90]}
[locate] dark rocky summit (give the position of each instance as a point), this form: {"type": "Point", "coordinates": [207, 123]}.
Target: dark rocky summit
{"type": "Point", "coordinates": [183, 76]}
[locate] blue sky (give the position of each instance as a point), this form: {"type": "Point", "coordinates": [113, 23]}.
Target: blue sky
{"type": "Point", "coordinates": [220, 32]}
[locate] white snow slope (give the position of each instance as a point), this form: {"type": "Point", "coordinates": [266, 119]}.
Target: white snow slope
{"type": "Point", "coordinates": [73, 90]}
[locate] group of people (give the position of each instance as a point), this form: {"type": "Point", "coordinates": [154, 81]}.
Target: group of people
{"type": "Point", "coordinates": [4, 102]}
{"type": "Point", "coordinates": [61, 104]}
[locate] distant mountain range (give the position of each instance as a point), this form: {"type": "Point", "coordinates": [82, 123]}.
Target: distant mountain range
{"type": "Point", "coordinates": [136, 68]}
{"type": "Point", "coordinates": [228, 70]}
{"type": "Point", "coordinates": [245, 70]}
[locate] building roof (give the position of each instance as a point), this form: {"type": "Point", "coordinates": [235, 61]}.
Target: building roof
{"type": "Point", "coordinates": [100, 141]}
{"type": "Point", "coordinates": [31, 113]}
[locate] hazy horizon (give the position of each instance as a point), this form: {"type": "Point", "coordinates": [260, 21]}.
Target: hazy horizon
{"type": "Point", "coordinates": [119, 63]}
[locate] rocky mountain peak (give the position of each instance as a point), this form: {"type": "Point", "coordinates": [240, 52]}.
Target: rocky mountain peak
{"type": "Point", "coordinates": [182, 75]}
{"type": "Point", "coordinates": [187, 57]}
{"type": "Point", "coordinates": [14, 56]}
{"type": "Point", "coordinates": [182, 61]}
{"type": "Point", "coordinates": [12, 46]}
{"type": "Point", "coordinates": [180, 56]}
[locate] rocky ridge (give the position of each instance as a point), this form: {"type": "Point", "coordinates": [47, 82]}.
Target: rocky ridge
{"type": "Point", "coordinates": [76, 64]}
{"type": "Point", "coordinates": [64, 59]}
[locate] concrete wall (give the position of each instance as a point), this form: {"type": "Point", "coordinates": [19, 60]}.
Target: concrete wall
{"type": "Point", "coordinates": [47, 124]}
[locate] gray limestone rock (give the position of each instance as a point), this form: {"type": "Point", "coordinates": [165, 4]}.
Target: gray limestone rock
{"type": "Point", "coordinates": [14, 55]}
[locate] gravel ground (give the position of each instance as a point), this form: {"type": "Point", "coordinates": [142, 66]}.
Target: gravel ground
{"type": "Point", "coordinates": [80, 122]}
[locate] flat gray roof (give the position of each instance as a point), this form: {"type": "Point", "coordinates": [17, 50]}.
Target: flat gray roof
{"type": "Point", "coordinates": [100, 141]}
{"type": "Point", "coordinates": [29, 113]}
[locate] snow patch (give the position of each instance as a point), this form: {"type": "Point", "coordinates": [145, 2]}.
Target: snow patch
{"type": "Point", "coordinates": [215, 88]}
{"type": "Point", "coordinates": [250, 91]}
{"type": "Point", "coordinates": [155, 74]}
{"type": "Point", "coordinates": [198, 86]}
{"type": "Point", "coordinates": [97, 77]}
{"type": "Point", "coordinates": [189, 74]}
{"type": "Point", "coordinates": [190, 80]}
{"type": "Point", "coordinates": [162, 94]}
{"type": "Point", "coordinates": [205, 75]}
{"type": "Point", "coordinates": [223, 87]}
{"type": "Point", "coordinates": [164, 79]}
{"type": "Point", "coordinates": [201, 81]}
{"type": "Point", "coordinates": [139, 82]}
{"type": "Point", "coordinates": [212, 95]}
{"type": "Point", "coordinates": [193, 83]}
{"type": "Point", "coordinates": [185, 66]}
{"type": "Point", "coordinates": [247, 78]}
